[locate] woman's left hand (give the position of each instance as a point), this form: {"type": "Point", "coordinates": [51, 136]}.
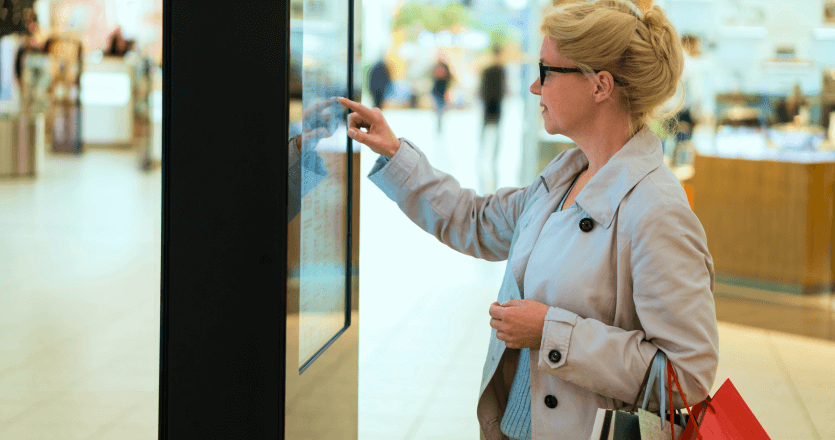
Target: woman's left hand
{"type": "Point", "coordinates": [519, 322]}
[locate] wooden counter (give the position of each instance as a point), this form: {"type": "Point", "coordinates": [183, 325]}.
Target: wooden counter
{"type": "Point", "coordinates": [768, 223]}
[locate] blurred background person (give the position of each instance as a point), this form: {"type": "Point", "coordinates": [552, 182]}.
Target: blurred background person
{"type": "Point", "coordinates": [790, 110]}
{"type": "Point", "coordinates": [33, 41]}
{"type": "Point", "coordinates": [492, 90]}
{"type": "Point", "coordinates": [442, 77]}
{"type": "Point", "coordinates": [694, 106]}
{"type": "Point", "coordinates": [379, 81]}
{"type": "Point", "coordinates": [117, 45]}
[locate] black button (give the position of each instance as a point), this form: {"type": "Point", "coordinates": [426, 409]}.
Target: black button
{"type": "Point", "coordinates": [550, 401]}
{"type": "Point", "coordinates": [586, 224]}
{"type": "Point", "coordinates": [554, 356]}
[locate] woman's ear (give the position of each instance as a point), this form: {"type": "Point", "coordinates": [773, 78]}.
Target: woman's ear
{"type": "Point", "coordinates": [604, 87]}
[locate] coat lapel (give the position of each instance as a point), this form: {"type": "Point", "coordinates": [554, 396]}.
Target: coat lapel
{"type": "Point", "coordinates": [599, 199]}
{"type": "Point", "coordinates": [601, 196]}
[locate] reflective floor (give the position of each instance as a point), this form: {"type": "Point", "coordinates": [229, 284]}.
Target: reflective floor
{"type": "Point", "coordinates": [79, 311]}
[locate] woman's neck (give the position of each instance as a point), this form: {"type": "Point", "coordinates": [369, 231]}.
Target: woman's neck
{"type": "Point", "coordinates": [603, 138]}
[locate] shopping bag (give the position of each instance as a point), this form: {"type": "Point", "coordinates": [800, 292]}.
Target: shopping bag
{"type": "Point", "coordinates": [653, 429]}
{"type": "Point", "coordinates": [626, 425]}
{"type": "Point", "coordinates": [610, 424]}
{"type": "Point", "coordinates": [725, 416]}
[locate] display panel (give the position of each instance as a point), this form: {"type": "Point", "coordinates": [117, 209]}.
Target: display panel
{"type": "Point", "coordinates": [318, 187]}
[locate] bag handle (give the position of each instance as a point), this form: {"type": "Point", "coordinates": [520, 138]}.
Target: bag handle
{"type": "Point", "coordinates": [670, 390]}
{"type": "Point", "coordinates": [671, 373]}
{"type": "Point", "coordinates": [659, 366]}
{"type": "Point", "coordinates": [643, 384]}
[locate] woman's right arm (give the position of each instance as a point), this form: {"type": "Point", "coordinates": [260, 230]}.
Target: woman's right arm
{"type": "Point", "coordinates": [479, 226]}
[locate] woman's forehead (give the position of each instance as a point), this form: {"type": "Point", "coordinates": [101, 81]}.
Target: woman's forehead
{"type": "Point", "coordinates": [550, 54]}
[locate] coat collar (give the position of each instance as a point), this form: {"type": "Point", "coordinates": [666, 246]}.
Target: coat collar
{"type": "Point", "coordinates": [603, 193]}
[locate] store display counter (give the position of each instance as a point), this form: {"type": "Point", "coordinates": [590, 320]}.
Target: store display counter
{"type": "Point", "coordinates": [768, 216]}
{"type": "Point", "coordinates": [106, 101]}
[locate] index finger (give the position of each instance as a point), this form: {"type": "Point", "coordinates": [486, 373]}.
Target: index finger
{"type": "Point", "coordinates": [355, 106]}
{"type": "Point", "coordinates": [496, 311]}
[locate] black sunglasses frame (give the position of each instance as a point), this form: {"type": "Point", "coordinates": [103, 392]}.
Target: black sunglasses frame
{"type": "Point", "coordinates": [544, 68]}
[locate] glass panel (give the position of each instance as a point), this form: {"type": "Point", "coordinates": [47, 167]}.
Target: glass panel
{"type": "Point", "coordinates": [318, 185]}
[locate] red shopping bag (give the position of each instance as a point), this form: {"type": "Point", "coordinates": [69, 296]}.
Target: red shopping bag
{"type": "Point", "coordinates": [725, 416]}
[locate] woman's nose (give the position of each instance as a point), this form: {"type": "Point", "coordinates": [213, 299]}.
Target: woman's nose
{"type": "Point", "coordinates": [536, 87]}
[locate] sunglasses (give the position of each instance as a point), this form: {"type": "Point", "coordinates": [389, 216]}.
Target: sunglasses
{"type": "Point", "coordinates": [543, 69]}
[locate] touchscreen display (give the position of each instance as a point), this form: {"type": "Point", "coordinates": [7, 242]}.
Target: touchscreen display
{"type": "Point", "coordinates": [318, 186]}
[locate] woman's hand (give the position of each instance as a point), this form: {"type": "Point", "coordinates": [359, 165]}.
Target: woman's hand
{"type": "Point", "coordinates": [519, 322]}
{"type": "Point", "coordinates": [378, 137]}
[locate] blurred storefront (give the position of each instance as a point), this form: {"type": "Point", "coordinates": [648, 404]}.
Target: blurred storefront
{"type": "Point", "coordinates": [766, 71]}
{"type": "Point", "coordinates": [762, 164]}
{"type": "Point", "coordinates": [78, 74]}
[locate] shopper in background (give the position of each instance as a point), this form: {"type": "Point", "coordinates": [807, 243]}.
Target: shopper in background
{"type": "Point", "coordinates": [492, 90]}
{"type": "Point", "coordinates": [117, 45]}
{"type": "Point", "coordinates": [607, 263]}
{"type": "Point", "coordinates": [792, 106]}
{"type": "Point", "coordinates": [692, 90]}
{"type": "Point", "coordinates": [32, 42]}
{"type": "Point", "coordinates": [441, 76]}
{"type": "Point", "coordinates": [379, 81]}
{"type": "Point", "coordinates": [694, 105]}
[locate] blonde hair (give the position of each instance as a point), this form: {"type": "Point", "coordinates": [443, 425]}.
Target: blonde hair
{"type": "Point", "coordinates": [641, 50]}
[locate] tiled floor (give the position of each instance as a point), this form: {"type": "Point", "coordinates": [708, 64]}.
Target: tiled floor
{"type": "Point", "coordinates": [79, 311]}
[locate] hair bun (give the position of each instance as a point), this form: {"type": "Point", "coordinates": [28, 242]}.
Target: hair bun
{"type": "Point", "coordinates": [625, 6]}
{"type": "Point", "coordinates": [662, 36]}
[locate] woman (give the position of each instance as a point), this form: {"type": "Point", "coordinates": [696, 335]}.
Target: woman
{"type": "Point", "coordinates": [606, 261]}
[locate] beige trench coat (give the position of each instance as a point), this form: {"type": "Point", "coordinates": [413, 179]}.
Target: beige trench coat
{"type": "Point", "coordinates": [641, 279]}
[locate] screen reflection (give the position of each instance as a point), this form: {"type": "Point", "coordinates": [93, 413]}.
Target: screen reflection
{"type": "Point", "coordinates": [318, 187]}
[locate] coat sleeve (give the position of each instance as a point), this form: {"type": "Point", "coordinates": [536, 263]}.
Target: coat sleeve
{"type": "Point", "coordinates": [479, 226]}
{"type": "Point", "coordinates": [672, 277]}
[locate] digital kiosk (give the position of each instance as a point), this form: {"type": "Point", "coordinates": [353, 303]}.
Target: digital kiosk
{"type": "Point", "coordinates": [259, 335]}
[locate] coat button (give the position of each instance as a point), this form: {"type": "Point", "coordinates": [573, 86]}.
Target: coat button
{"type": "Point", "coordinates": [554, 356]}
{"type": "Point", "coordinates": [586, 224]}
{"type": "Point", "coordinates": [550, 401]}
